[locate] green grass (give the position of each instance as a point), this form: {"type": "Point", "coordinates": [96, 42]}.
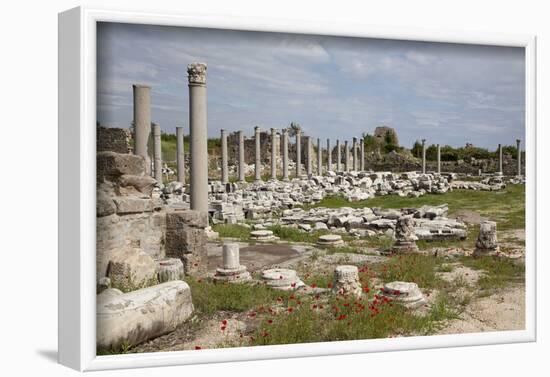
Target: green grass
{"type": "Point", "coordinates": [209, 297]}
{"type": "Point", "coordinates": [416, 268]}
{"type": "Point", "coordinates": [239, 232]}
{"type": "Point", "coordinates": [507, 206]}
{"type": "Point", "coordinates": [320, 320]}
{"type": "Point", "coordinates": [498, 272]}
{"type": "Point", "coordinates": [295, 235]}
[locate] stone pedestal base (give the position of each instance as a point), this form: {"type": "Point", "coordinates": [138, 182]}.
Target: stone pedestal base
{"type": "Point", "coordinates": [282, 279]}
{"type": "Point", "coordinates": [262, 236]}
{"type": "Point", "coordinates": [330, 240]}
{"type": "Point", "coordinates": [407, 294]}
{"type": "Point", "coordinates": [233, 275]}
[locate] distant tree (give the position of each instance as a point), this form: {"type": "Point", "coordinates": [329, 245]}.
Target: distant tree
{"type": "Point", "coordinates": [370, 142]}
{"type": "Point", "coordinates": [431, 152]}
{"type": "Point", "coordinates": [293, 129]}
{"type": "Point", "coordinates": [389, 138]}
{"type": "Point", "coordinates": [417, 149]}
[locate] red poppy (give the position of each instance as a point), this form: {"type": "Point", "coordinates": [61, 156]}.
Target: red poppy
{"type": "Point", "coordinates": [223, 328]}
{"type": "Point", "coordinates": [265, 334]}
{"type": "Point", "coordinates": [270, 321]}
{"type": "Point", "coordinates": [293, 285]}
{"type": "Point", "coordinates": [224, 322]}
{"type": "Point", "coordinates": [281, 277]}
{"type": "Point", "coordinates": [313, 285]}
{"type": "Point", "coordinates": [341, 317]}
{"type": "Point", "coordinates": [198, 347]}
{"type": "Point", "coordinates": [290, 310]}
{"type": "Point", "coordinates": [366, 289]}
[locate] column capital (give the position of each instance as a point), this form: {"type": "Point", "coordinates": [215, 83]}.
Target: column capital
{"type": "Point", "coordinates": [197, 73]}
{"type": "Point", "coordinates": [285, 131]}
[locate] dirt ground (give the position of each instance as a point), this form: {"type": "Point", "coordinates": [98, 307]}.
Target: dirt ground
{"type": "Point", "coordinates": [504, 310]}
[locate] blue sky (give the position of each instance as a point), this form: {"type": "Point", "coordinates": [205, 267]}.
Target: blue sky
{"type": "Point", "coordinates": [335, 87]}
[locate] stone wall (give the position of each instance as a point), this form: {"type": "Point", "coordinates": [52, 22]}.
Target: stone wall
{"type": "Point", "coordinates": [113, 139]}
{"type": "Point", "coordinates": [132, 222]}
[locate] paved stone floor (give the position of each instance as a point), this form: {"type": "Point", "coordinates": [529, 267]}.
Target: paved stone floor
{"type": "Point", "coordinates": [255, 256]}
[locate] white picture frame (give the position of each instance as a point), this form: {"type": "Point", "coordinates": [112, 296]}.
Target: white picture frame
{"type": "Point", "coordinates": [77, 156]}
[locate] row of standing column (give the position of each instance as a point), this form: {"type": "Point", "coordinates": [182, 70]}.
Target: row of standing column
{"type": "Point", "coordinates": [499, 152]}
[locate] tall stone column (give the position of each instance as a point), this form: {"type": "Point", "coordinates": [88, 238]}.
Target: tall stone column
{"type": "Point", "coordinates": [285, 154]}
{"type": "Point", "coordinates": [338, 156]}
{"type": "Point", "coordinates": [273, 155]}
{"type": "Point", "coordinates": [157, 153]}
{"type": "Point", "coordinates": [298, 154]}
{"type": "Point", "coordinates": [225, 170]}
{"type": "Point", "coordinates": [241, 157]}
{"type": "Point", "coordinates": [362, 149]}
{"type": "Point", "coordinates": [438, 159]}
{"type": "Point", "coordinates": [346, 156]}
{"type": "Point", "coordinates": [423, 156]}
{"type": "Point", "coordinates": [354, 148]}
{"type": "Point", "coordinates": [518, 142]}
{"type": "Point", "coordinates": [257, 155]}
{"type": "Point", "coordinates": [142, 122]}
{"type": "Point", "coordinates": [500, 171]}
{"type": "Point", "coordinates": [180, 154]}
{"type": "Point", "coordinates": [309, 157]}
{"type": "Point", "coordinates": [198, 136]}
{"type": "Point", "coordinates": [329, 156]}
{"type": "Point", "coordinates": [319, 158]}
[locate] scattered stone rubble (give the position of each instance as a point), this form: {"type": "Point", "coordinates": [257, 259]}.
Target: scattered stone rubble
{"type": "Point", "coordinates": [429, 222]}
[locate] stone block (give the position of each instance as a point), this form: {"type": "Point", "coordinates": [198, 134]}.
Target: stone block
{"type": "Point", "coordinates": [138, 316]}
{"type": "Point", "coordinates": [111, 165]}
{"type": "Point", "coordinates": [126, 205]}
{"type": "Point", "coordinates": [130, 269]}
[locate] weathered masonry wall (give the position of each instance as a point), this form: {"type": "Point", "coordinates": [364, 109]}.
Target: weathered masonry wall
{"type": "Point", "coordinates": [113, 139]}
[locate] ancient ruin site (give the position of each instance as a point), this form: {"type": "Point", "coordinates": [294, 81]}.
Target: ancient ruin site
{"type": "Point", "coordinates": [265, 236]}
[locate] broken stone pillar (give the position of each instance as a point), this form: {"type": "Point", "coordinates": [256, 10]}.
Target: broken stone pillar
{"type": "Point", "coordinates": [309, 156]}
{"type": "Point", "coordinates": [231, 270]}
{"type": "Point", "coordinates": [362, 149]}
{"type": "Point", "coordinates": [346, 281]}
{"type": "Point", "coordinates": [329, 156]}
{"type": "Point", "coordinates": [142, 122]}
{"type": "Point", "coordinates": [135, 317]}
{"type": "Point", "coordinates": [180, 154]}
{"type": "Point", "coordinates": [487, 242]}
{"type": "Point", "coordinates": [198, 136]}
{"type": "Point", "coordinates": [405, 238]}
{"type": "Point", "coordinates": [185, 239]}
{"type": "Point", "coordinates": [298, 154]}
{"type": "Point", "coordinates": [273, 155]}
{"type": "Point", "coordinates": [346, 156]}
{"type": "Point", "coordinates": [225, 169]}
{"type": "Point", "coordinates": [157, 153]}
{"type": "Point", "coordinates": [170, 269]}
{"type": "Point", "coordinates": [423, 156]}
{"type": "Point", "coordinates": [338, 156]}
{"type": "Point", "coordinates": [500, 171]}
{"type": "Point", "coordinates": [285, 154]}
{"type": "Point", "coordinates": [330, 240]}
{"type": "Point", "coordinates": [354, 147]}
{"type": "Point", "coordinates": [257, 155]}
{"type": "Point", "coordinates": [241, 157]}
{"type": "Point", "coordinates": [319, 158]}
{"type": "Point", "coordinates": [438, 159]}
{"type": "Point", "coordinates": [518, 142]}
